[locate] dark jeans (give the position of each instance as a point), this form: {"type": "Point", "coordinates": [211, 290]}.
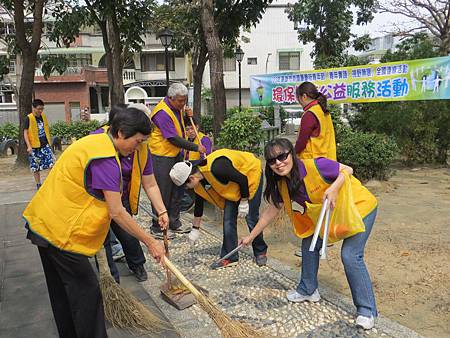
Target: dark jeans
{"type": "Point", "coordinates": [130, 246]}
{"type": "Point", "coordinates": [187, 199]}
{"type": "Point", "coordinates": [112, 265]}
{"type": "Point", "coordinates": [74, 294]}
{"type": "Point", "coordinates": [170, 193]}
{"type": "Point", "coordinates": [230, 236]}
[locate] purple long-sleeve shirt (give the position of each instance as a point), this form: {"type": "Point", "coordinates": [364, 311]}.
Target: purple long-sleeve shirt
{"type": "Point", "coordinates": [104, 173]}
{"type": "Point", "coordinates": [329, 171]}
{"type": "Point", "coordinates": [163, 121]}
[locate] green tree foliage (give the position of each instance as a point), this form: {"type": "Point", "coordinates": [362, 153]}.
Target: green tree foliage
{"type": "Point", "coordinates": [421, 128]}
{"type": "Point", "coordinates": [4, 66]}
{"type": "Point", "coordinates": [242, 131]}
{"type": "Point", "coordinates": [184, 18]}
{"type": "Point", "coordinates": [327, 24]}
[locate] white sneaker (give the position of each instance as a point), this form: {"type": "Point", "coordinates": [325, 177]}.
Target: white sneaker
{"type": "Point", "coordinates": [366, 323]}
{"type": "Point", "coordinates": [294, 296]}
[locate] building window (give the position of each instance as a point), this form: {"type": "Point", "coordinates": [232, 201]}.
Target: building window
{"type": "Point", "coordinates": [289, 60]}
{"type": "Point", "coordinates": [79, 60]}
{"type": "Point", "coordinates": [151, 62]}
{"type": "Point", "coordinates": [12, 66]}
{"type": "Point", "coordinates": [252, 61]}
{"type": "Point", "coordinates": [229, 64]}
{"type": "Point", "coordinates": [7, 28]}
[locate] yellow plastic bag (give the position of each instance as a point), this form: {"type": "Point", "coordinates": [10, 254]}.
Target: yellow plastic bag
{"type": "Point", "coordinates": [345, 219]}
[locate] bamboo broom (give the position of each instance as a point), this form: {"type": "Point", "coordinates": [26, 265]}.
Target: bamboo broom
{"type": "Point", "coordinates": [122, 309]}
{"type": "Point", "coordinates": [229, 328]}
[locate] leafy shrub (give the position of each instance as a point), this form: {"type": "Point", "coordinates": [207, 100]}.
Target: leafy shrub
{"type": "Point", "coordinates": [76, 129]}
{"type": "Point", "coordinates": [61, 129]}
{"type": "Point", "coordinates": [242, 131]}
{"type": "Point", "coordinates": [80, 129]}
{"type": "Point", "coordinates": [232, 111]}
{"type": "Point", "coordinates": [9, 131]}
{"type": "Point", "coordinates": [369, 154]}
{"type": "Point", "coordinates": [206, 124]}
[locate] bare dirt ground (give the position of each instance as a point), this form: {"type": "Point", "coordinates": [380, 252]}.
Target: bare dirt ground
{"type": "Point", "coordinates": [408, 253]}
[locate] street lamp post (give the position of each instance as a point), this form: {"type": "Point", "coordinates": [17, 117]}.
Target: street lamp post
{"type": "Point", "coordinates": [166, 39]}
{"type": "Point", "coordinates": [239, 54]}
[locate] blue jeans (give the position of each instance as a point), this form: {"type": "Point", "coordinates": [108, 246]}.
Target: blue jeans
{"type": "Point", "coordinates": [352, 255]}
{"type": "Point", "coordinates": [230, 236]}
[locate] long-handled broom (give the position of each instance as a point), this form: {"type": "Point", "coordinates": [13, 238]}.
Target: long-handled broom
{"type": "Point", "coordinates": [122, 309]}
{"type": "Point", "coordinates": [228, 327]}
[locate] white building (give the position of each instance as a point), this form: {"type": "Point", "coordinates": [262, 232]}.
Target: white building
{"type": "Point", "coordinates": [273, 47]}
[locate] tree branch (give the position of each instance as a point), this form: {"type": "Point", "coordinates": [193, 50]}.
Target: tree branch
{"type": "Point", "coordinates": [19, 22]}
{"type": "Point", "coordinates": [37, 25]}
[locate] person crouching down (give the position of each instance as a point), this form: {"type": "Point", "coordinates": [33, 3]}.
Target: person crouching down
{"type": "Point", "coordinates": [231, 180]}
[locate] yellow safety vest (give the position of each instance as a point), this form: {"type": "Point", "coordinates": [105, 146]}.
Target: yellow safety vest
{"type": "Point", "coordinates": [194, 155]}
{"type": "Point", "coordinates": [315, 187]}
{"type": "Point", "coordinates": [323, 145]}
{"type": "Point", "coordinates": [158, 144]}
{"type": "Point", "coordinates": [62, 211]}
{"type": "Point", "coordinates": [140, 159]}
{"type": "Point", "coordinates": [244, 162]}
{"type": "Point", "coordinates": [33, 132]}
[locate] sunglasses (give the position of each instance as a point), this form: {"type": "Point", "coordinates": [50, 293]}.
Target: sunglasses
{"type": "Point", "coordinates": [282, 157]}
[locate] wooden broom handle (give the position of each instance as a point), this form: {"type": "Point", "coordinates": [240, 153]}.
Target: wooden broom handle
{"type": "Point", "coordinates": [195, 129]}
{"type": "Point", "coordinates": [197, 294]}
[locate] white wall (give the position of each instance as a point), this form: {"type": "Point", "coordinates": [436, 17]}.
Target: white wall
{"type": "Point", "coordinates": [275, 32]}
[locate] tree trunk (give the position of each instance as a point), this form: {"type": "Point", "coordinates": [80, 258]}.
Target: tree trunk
{"type": "Point", "coordinates": [198, 68]}
{"type": "Point", "coordinates": [117, 92]}
{"type": "Point", "coordinates": [24, 103]}
{"type": "Point", "coordinates": [28, 50]}
{"type": "Point", "coordinates": [215, 52]}
{"type": "Point", "coordinates": [444, 49]}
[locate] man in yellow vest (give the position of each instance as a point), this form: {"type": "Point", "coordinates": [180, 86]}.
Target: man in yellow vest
{"type": "Point", "coordinates": [187, 202]}
{"type": "Point", "coordinates": [69, 216]}
{"type": "Point", "coordinates": [166, 142]}
{"type": "Point", "coordinates": [37, 138]}
{"type": "Point", "coordinates": [232, 180]}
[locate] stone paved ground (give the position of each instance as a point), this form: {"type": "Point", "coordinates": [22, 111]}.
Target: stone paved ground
{"type": "Point", "coordinates": [256, 295]}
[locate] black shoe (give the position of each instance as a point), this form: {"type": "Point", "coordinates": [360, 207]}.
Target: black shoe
{"type": "Point", "coordinates": [139, 273]}
{"type": "Point", "coordinates": [182, 229]}
{"type": "Point", "coordinates": [158, 234]}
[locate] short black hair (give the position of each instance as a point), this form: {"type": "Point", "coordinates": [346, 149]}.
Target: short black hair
{"type": "Point", "coordinates": [187, 121]}
{"type": "Point", "coordinates": [130, 121]}
{"type": "Point", "coordinates": [116, 108]}
{"type": "Point", "coordinates": [37, 102]}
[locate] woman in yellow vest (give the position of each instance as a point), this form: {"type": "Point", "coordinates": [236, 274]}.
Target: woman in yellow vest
{"type": "Point", "coordinates": [289, 182]}
{"type": "Point", "coordinates": [137, 172]}
{"type": "Point", "coordinates": [316, 134]}
{"type": "Point", "coordinates": [232, 181]}
{"type": "Point", "coordinates": [68, 219]}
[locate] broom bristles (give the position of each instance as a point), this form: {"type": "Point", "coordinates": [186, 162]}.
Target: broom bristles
{"type": "Point", "coordinates": [229, 328]}
{"type": "Point", "coordinates": [122, 309]}
{"type": "Point", "coordinates": [125, 311]}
